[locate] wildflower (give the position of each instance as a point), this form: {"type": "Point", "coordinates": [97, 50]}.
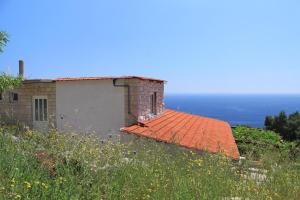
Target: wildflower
{"type": "Point", "coordinates": [13, 180]}
{"type": "Point", "coordinates": [61, 179]}
{"type": "Point", "coordinates": [36, 182]}
{"type": "Point", "coordinates": [27, 184]}
{"type": "Point", "coordinates": [45, 185]}
{"type": "Point", "coordinates": [18, 196]}
{"type": "Point", "coordinates": [198, 162]}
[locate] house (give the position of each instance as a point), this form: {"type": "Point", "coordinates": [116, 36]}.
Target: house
{"type": "Point", "coordinates": [112, 107]}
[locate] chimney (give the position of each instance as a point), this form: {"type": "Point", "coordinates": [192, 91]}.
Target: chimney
{"type": "Point", "coordinates": [21, 68]}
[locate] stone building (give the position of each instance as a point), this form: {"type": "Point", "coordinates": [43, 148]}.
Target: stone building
{"type": "Point", "coordinates": [88, 105]}
{"type": "Point", "coordinates": [112, 107]}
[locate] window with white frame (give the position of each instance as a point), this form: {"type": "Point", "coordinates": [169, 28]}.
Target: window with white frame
{"type": "Point", "coordinates": [40, 109]}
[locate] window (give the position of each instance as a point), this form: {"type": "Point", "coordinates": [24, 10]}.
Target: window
{"type": "Point", "coordinates": [15, 96]}
{"type": "Point", "coordinates": [153, 103]}
{"type": "Point", "coordinates": [40, 110]}
{"type": "Point", "coordinates": [1, 97]}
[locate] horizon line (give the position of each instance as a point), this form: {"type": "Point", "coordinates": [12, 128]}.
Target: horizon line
{"type": "Point", "coordinates": [229, 93]}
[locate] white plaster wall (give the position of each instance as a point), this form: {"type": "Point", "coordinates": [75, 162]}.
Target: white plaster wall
{"type": "Point", "coordinates": [90, 106]}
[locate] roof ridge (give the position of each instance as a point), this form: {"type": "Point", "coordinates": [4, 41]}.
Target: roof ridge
{"type": "Point", "coordinates": [209, 118]}
{"type": "Point", "coordinates": [106, 78]}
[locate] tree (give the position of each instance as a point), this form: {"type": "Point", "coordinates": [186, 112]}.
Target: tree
{"type": "Point", "coordinates": [7, 82]}
{"type": "Point", "coordinates": [269, 121]}
{"type": "Point", "coordinates": [287, 127]}
{"type": "Point", "coordinates": [3, 40]}
{"type": "Point", "coordinates": [280, 124]}
{"type": "Point", "coordinates": [294, 126]}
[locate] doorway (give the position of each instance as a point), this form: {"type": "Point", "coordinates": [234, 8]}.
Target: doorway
{"type": "Point", "coordinates": [40, 113]}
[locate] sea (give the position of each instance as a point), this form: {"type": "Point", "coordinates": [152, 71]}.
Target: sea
{"type": "Point", "coordinates": [237, 109]}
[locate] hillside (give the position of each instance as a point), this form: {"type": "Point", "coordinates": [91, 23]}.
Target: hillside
{"type": "Point", "coordinates": [68, 166]}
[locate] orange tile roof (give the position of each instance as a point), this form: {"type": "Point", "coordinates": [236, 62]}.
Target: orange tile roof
{"type": "Point", "coordinates": [190, 131]}
{"type": "Point", "coordinates": [108, 78]}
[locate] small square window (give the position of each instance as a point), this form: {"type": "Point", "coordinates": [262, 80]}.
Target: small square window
{"type": "Point", "coordinates": [15, 96]}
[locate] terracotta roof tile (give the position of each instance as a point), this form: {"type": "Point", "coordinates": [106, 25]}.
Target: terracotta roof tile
{"type": "Point", "coordinates": [108, 78]}
{"type": "Point", "coordinates": [190, 131]}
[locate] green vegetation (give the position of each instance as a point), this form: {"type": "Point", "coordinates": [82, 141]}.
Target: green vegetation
{"type": "Point", "coordinates": [9, 82]}
{"type": "Point", "coordinates": [68, 166]}
{"type": "Point", "coordinates": [3, 40]}
{"type": "Point", "coordinates": [254, 143]}
{"type": "Point", "coordinates": [287, 126]}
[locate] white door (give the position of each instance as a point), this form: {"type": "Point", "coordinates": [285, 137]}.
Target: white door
{"type": "Point", "coordinates": [40, 113]}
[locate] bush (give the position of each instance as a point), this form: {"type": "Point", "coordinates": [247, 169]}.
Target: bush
{"type": "Point", "coordinates": [254, 143]}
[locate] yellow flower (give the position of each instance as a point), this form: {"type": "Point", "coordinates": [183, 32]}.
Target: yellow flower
{"type": "Point", "coordinates": [36, 182]}
{"type": "Point", "coordinates": [199, 162]}
{"type": "Point", "coordinates": [13, 180]}
{"type": "Point", "coordinates": [18, 196]}
{"type": "Point", "coordinates": [27, 184]}
{"type": "Point", "coordinates": [45, 185]}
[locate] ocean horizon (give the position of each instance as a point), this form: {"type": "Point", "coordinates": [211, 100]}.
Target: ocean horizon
{"type": "Point", "coordinates": [237, 109]}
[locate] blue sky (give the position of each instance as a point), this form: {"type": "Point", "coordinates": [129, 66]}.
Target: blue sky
{"type": "Point", "coordinates": [197, 46]}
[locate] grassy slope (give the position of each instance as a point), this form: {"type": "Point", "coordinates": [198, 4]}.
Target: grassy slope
{"type": "Point", "coordinates": [87, 169]}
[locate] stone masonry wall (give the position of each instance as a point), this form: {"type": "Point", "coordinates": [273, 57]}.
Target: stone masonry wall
{"type": "Point", "coordinates": [21, 111]}
{"type": "Point", "coordinates": [140, 100]}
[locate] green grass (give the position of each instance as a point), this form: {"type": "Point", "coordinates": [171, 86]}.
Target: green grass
{"type": "Point", "coordinates": [89, 169]}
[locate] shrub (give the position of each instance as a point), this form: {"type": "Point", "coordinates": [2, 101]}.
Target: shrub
{"type": "Point", "coordinates": [255, 142]}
